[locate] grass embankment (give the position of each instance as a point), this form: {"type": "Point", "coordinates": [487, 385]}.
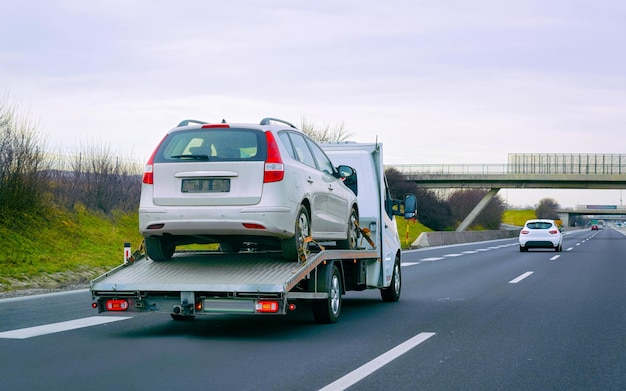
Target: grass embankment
{"type": "Point", "coordinates": [64, 249]}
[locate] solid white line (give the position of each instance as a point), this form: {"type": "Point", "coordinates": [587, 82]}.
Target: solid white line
{"type": "Point", "coordinates": [520, 278]}
{"type": "Point", "coordinates": [554, 258]}
{"type": "Point", "coordinates": [367, 369]}
{"type": "Point", "coordinates": [61, 326]}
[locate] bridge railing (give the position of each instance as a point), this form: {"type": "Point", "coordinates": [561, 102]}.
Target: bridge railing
{"type": "Point", "coordinates": [495, 169]}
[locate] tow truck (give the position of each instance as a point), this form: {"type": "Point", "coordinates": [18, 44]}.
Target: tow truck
{"type": "Point", "coordinates": [257, 282]}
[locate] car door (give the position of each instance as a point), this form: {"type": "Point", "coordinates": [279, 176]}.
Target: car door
{"type": "Point", "coordinates": [338, 196]}
{"type": "Point", "coordinates": [313, 182]}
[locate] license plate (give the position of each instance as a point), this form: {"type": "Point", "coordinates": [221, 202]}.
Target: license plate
{"type": "Point", "coordinates": [205, 185]}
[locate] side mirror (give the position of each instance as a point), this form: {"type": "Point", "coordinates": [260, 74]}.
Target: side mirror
{"type": "Point", "coordinates": [410, 206]}
{"type": "Point", "coordinates": [345, 171]}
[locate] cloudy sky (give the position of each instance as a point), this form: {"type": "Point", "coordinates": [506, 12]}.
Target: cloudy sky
{"type": "Point", "coordinates": [436, 81]}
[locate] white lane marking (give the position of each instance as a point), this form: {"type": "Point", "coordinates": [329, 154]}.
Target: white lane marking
{"type": "Point", "coordinates": [470, 252]}
{"type": "Point", "coordinates": [409, 263]}
{"type": "Point", "coordinates": [367, 369]}
{"type": "Point", "coordinates": [60, 327]}
{"type": "Point", "coordinates": [520, 278]}
{"type": "Point", "coordinates": [554, 258]}
{"type": "Point", "coordinates": [570, 249]}
{"type": "Point", "coordinates": [431, 259]}
{"type": "Point", "coordinates": [452, 255]}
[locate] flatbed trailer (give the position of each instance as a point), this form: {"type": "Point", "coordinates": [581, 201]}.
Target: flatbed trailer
{"type": "Point", "coordinates": [201, 283]}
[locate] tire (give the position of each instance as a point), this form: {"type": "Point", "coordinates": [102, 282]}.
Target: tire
{"type": "Point", "coordinates": [392, 292]}
{"type": "Point", "coordinates": [159, 249]}
{"type": "Point", "coordinates": [328, 310]}
{"type": "Point", "coordinates": [523, 249]}
{"type": "Point", "coordinates": [352, 240]}
{"type": "Point", "coordinates": [295, 246]}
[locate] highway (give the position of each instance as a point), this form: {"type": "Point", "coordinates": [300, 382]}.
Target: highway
{"type": "Point", "coordinates": [480, 316]}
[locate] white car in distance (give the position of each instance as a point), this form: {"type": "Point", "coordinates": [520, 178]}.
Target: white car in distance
{"type": "Point", "coordinates": [540, 233]}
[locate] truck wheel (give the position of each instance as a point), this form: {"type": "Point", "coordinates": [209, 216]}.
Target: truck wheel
{"type": "Point", "coordinates": [328, 310]}
{"type": "Point", "coordinates": [293, 247]}
{"type": "Point", "coordinates": [159, 249]}
{"type": "Point", "coordinates": [392, 293]}
{"type": "Point", "coordinates": [352, 241]}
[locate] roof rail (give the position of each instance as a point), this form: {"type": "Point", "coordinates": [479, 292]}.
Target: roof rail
{"type": "Point", "coordinates": [190, 121]}
{"type": "Point", "coordinates": [269, 120]}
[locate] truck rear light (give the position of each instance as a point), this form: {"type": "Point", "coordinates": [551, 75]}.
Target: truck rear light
{"type": "Point", "coordinates": [274, 168]}
{"type": "Point", "coordinates": [116, 305]}
{"type": "Point", "coordinates": [253, 226]}
{"type": "Point", "coordinates": [267, 306]}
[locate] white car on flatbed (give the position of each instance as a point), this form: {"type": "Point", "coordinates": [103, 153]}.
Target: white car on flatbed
{"type": "Point", "coordinates": [267, 184]}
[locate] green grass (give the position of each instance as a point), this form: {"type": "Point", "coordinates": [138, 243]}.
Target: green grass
{"type": "Point", "coordinates": [62, 247]}
{"type": "Point", "coordinates": [518, 217]}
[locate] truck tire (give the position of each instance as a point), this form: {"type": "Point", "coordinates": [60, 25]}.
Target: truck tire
{"type": "Point", "coordinates": [294, 246]}
{"type": "Point", "coordinates": [329, 280]}
{"type": "Point", "coordinates": [392, 292]}
{"type": "Point", "coordinates": [159, 249]}
{"type": "Point", "coordinates": [352, 241]}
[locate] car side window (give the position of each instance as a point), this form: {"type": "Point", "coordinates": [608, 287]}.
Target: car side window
{"type": "Point", "coordinates": [323, 162]}
{"type": "Point", "coordinates": [301, 150]}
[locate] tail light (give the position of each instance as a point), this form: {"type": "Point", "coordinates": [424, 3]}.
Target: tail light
{"type": "Point", "coordinates": [207, 126]}
{"type": "Point", "coordinates": [274, 168]}
{"type": "Point", "coordinates": [148, 174]}
{"type": "Point", "coordinates": [554, 231]}
{"type": "Point", "coordinates": [267, 306]}
{"type": "Point", "coordinates": [525, 232]}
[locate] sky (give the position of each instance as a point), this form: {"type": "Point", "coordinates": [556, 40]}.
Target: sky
{"type": "Point", "coordinates": [437, 82]}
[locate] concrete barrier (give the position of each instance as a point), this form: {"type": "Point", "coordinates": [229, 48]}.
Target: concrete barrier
{"type": "Point", "coordinates": [443, 238]}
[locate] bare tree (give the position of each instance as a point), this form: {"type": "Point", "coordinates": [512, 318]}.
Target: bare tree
{"type": "Point", "coordinates": [547, 209]}
{"type": "Point", "coordinates": [23, 174]}
{"type": "Point", "coordinates": [462, 202]}
{"type": "Point", "coordinates": [325, 133]}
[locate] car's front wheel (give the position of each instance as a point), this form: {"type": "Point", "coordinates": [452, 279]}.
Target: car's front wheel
{"type": "Point", "coordinates": [159, 249]}
{"type": "Point", "coordinates": [352, 240]}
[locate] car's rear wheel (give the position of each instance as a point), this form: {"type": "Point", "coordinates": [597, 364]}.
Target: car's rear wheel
{"type": "Point", "coordinates": [352, 240]}
{"type": "Point", "coordinates": [523, 249]}
{"type": "Point", "coordinates": [159, 249]}
{"type": "Point", "coordinates": [294, 248]}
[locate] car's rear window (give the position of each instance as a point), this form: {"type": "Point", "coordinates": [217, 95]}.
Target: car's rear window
{"type": "Point", "coordinates": [219, 144]}
{"type": "Point", "coordinates": [539, 225]}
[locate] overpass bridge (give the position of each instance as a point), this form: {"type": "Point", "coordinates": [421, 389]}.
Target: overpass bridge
{"type": "Point", "coordinates": [523, 171]}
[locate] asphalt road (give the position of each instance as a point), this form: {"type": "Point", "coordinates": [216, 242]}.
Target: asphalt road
{"type": "Point", "coordinates": [481, 316]}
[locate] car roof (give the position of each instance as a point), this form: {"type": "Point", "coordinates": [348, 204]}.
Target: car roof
{"type": "Point", "coordinates": [540, 221]}
{"type": "Point", "coordinates": [267, 123]}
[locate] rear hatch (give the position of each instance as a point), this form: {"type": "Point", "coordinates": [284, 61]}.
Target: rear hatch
{"type": "Point", "coordinates": [210, 166]}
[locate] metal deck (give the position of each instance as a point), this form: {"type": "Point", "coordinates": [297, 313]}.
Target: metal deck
{"type": "Point", "coordinates": [265, 272]}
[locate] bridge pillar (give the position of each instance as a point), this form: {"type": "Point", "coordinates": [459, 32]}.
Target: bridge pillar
{"type": "Point", "coordinates": [564, 217]}
{"type": "Point", "coordinates": [477, 209]}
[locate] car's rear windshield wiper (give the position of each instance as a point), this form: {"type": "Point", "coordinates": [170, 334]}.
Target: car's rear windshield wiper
{"type": "Point", "coordinates": [191, 157]}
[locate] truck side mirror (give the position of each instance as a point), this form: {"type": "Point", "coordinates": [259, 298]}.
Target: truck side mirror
{"type": "Point", "coordinates": [410, 206]}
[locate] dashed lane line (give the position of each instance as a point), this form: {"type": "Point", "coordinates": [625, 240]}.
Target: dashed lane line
{"type": "Point", "coordinates": [520, 278]}
{"type": "Point", "coordinates": [51, 328]}
{"type": "Point", "coordinates": [367, 369]}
